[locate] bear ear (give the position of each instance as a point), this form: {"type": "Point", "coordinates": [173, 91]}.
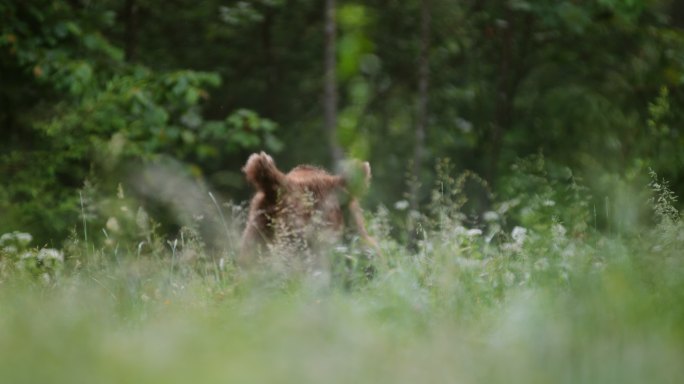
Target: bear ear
{"type": "Point", "coordinates": [267, 157]}
{"type": "Point", "coordinates": [261, 171]}
{"type": "Point", "coordinates": [367, 171]}
{"type": "Point", "coordinates": [356, 176]}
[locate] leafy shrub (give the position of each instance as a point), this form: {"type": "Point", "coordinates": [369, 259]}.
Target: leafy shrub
{"type": "Point", "coordinates": [98, 116]}
{"type": "Point", "coordinates": [17, 257]}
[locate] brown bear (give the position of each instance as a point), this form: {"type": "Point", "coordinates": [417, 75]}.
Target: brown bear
{"type": "Point", "coordinates": [306, 206]}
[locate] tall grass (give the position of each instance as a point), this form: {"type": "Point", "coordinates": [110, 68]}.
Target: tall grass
{"type": "Point", "coordinates": [538, 301]}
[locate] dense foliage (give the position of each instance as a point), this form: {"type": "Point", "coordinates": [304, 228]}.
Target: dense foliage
{"type": "Point", "coordinates": [92, 89]}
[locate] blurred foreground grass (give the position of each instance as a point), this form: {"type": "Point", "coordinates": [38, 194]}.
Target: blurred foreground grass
{"type": "Point", "coordinates": [548, 305]}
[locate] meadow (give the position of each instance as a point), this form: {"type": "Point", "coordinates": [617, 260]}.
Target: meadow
{"type": "Point", "coordinates": [554, 300]}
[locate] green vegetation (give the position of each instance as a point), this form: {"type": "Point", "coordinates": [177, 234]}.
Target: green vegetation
{"type": "Point", "coordinates": [553, 303]}
{"type": "Point", "coordinates": [526, 159]}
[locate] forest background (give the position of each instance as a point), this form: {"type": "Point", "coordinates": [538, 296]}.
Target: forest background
{"type": "Point", "coordinates": [92, 90]}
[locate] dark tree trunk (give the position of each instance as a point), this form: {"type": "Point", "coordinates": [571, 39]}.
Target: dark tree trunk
{"type": "Point", "coordinates": [422, 105]}
{"type": "Point", "coordinates": [267, 44]}
{"type": "Point", "coordinates": [421, 115]}
{"type": "Point", "coordinates": [513, 67]}
{"type": "Point", "coordinates": [330, 80]}
{"type": "Point", "coordinates": [129, 17]}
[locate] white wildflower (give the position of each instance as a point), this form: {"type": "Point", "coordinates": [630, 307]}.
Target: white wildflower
{"type": "Point", "coordinates": [519, 234]}
{"type": "Point", "coordinates": [27, 255]}
{"type": "Point", "coordinates": [558, 230]}
{"type": "Point", "coordinates": [473, 232]}
{"type": "Point", "coordinates": [10, 249]}
{"type": "Point", "coordinates": [113, 225]}
{"type": "Point", "coordinates": [50, 254]}
{"type": "Point", "coordinates": [142, 219]}
{"type": "Point", "coordinates": [464, 125]}
{"type": "Point", "coordinates": [548, 203]}
{"type": "Point", "coordinates": [490, 216]}
{"type": "Point", "coordinates": [23, 238]}
{"type": "Point", "coordinates": [459, 230]}
{"type": "Point", "coordinates": [507, 205]}
{"type": "Point", "coordinates": [401, 205]}
{"type": "Point", "coordinates": [6, 237]}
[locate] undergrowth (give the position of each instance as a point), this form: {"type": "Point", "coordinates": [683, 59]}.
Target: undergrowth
{"type": "Point", "coordinates": [527, 291]}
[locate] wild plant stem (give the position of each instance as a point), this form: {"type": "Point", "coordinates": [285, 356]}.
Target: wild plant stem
{"type": "Point", "coordinates": [85, 226]}
{"type": "Point", "coordinates": [223, 219]}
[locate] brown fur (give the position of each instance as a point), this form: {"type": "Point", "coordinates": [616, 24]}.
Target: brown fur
{"type": "Point", "coordinates": [306, 203]}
